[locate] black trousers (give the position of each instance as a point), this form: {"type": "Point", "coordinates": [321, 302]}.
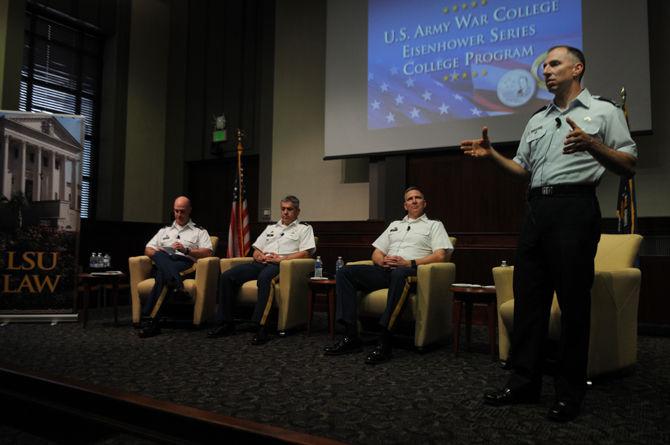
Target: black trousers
{"type": "Point", "coordinates": [557, 246]}
{"type": "Point", "coordinates": [231, 281]}
{"type": "Point", "coordinates": [351, 279]}
{"type": "Point", "coordinates": [167, 272]}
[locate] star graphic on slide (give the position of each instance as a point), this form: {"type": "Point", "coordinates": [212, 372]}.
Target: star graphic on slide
{"type": "Point", "coordinates": [390, 117]}
{"type": "Point", "coordinates": [414, 114]}
{"type": "Point", "coordinates": [458, 97]}
{"type": "Point", "coordinates": [444, 108]}
{"type": "Point", "coordinates": [375, 105]}
{"type": "Point", "coordinates": [427, 95]}
{"type": "Point", "coordinates": [476, 111]}
{"type": "Point", "coordinates": [399, 99]}
{"type": "Point", "coordinates": [409, 82]}
{"type": "Point", "coordinates": [384, 87]}
{"type": "Point", "coordinates": [394, 70]}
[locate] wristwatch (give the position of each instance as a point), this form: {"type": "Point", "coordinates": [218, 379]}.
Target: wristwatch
{"type": "Point", "coordinates": [188, 251]}
{"type": "Point", "coordinates": [413, 264]}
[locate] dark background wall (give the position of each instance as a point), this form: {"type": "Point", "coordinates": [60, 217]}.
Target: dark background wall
{"type": "Point", "coordinates": [194, 59]}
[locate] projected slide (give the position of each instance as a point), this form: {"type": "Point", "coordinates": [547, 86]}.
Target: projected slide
{"type": "Point", "coordinates": [432, 62]}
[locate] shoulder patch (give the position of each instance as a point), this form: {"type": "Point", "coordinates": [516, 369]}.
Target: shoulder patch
{"type": "Point", "coordinates": [198, 226]}
{"type": "Point", "coordinates": [604, 99]}
{"type": "Point", "coordinates": [304, 223]}
{"type": "Point", "coordinates": [540, 110]}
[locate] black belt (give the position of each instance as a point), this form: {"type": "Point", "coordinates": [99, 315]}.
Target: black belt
{"type": "Point", "coordinates": [564, 189]}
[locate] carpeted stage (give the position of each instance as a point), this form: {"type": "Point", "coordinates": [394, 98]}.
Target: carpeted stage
{"type": "Point", "coordinates": [432, 397]}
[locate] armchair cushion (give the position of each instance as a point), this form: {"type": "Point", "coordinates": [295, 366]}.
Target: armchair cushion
{"type": "Point", "coordinates": [290, 296]}
{"type": "Point", "coordinates": [429, 305]}
{"type": "Point", "coordinates": [202, 288]}
{"type": "Point", "coordinates": [614, 305]}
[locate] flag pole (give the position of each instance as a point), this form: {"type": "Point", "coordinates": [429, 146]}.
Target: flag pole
{"type": "Point", "coordinates": [628, 184]}
{"type": "Point", "coordinates": [240, 203]}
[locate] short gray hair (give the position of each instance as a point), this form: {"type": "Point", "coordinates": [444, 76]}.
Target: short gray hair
{"type": "Point", "coordinates": [293, 200]}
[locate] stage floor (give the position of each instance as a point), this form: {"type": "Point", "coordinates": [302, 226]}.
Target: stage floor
{"type": "Point", "coordinates": [432, 397]}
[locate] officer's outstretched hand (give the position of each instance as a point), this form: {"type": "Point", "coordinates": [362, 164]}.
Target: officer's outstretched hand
{"type": "Point", "coordinates": [478, 148]}
{"type": "Point", "coordinates": [577, 139]}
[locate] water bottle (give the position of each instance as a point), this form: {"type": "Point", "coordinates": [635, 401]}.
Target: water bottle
{"type": "Point", "coordinates": [106, 261]}
{"type": "Point", "coordinates": [339, 264]}
{"type": "Point", "coordinates": [91, 260]}
{"type": "Point", "coordinates": [318, 268]}
{"type": "Point", "coordinates": [98, 260]}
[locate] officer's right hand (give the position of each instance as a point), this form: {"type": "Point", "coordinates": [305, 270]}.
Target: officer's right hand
{"type": "Point", "coordinates": [478, 148]}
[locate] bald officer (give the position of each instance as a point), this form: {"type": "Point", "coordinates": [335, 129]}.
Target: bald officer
{"type": "Point", "coordinates": [173, 249]}
{"type": "Point", "coordinates": [564, 151]}
{"type": "Point", "coordinates": [285, 240]}
{"type": "Point", "coordinates": [403, 246]}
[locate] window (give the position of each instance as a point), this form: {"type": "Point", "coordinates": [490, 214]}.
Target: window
{"type": "Point", "coordinates": [61, 73]}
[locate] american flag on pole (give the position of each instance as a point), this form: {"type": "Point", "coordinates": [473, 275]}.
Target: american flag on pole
{"type": "Point", "coordinates": [626, 206]}
{"type": "Point", "coordinates": [239, 240]}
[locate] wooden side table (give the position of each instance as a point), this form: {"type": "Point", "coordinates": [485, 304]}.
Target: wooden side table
{"type": "Point", "coordinates": [321, 287]}
{"type": "Point", "coordinates": [465, 298]}
{"type": "Point", "coordinates": [91, 279]}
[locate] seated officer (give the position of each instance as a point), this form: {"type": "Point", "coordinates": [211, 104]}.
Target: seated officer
{"type": "Point", "coordinates": [404, 245]}
{"type": "Point", "coordinates": [173, 249]}
{"type": "Point", "coordinates": [286, 240]}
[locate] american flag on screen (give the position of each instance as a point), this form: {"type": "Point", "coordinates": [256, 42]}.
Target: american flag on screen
{"type": "Point", "coordinates": [239, 239]}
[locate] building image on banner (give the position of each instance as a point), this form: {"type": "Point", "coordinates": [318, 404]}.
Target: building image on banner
{"type": "Point", "coordinates": [40, 187]}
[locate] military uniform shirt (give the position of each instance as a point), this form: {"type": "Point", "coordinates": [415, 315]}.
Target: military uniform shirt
{"type": "Point", "coordinates": [541, 147]}
{"type": "Point", "coordinates": [285, 240]}
{"type": "Point", "coordinates": [191, 236]}
{"type": "Point", "coordinates": [413, 238]}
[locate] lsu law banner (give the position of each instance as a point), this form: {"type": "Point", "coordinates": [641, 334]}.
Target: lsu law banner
{"type": "Point", "coordinates": [40, 187]}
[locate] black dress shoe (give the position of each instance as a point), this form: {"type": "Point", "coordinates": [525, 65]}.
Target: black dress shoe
{"type": "Point", "coordinates": [150, 331]}
{"type": "Point", "coordinates": [261, 337]}
{"type": "Point", "coordinates": [509, 396]}
{"type": "Point", "coordinates": [379, 355]}
{"type": "Point", "coordinates": [346, 345]}
{"type": "Point", "coordinates": [563, 411]}
{"type": "Point", "coordinates": [223, 330]}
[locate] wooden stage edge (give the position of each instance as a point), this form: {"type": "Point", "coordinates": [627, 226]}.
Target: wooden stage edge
{"type": "Point", "coordinates": [80, 403]}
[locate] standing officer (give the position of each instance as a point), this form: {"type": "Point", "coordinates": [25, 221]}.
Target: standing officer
{"type": "Point", "coordinates": [173, 249]}
{"type": "Point", "coordinates": [286, 240]}
{"type": "Point", "coordinates": [565, 150]}
{"type": "Point", "coordinates": [404, 245]}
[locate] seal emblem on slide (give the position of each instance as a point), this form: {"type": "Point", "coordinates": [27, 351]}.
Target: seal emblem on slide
{"type": "Point", "coordinates": [516, 88]}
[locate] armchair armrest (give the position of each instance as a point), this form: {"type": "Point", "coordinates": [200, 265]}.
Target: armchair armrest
{"type": "Point", "coordinates": [361, 263]}
{"type": "Point", "coordinates": [503, 280]}
{"type": "Point", "coordinates": [293, 288]}
{"type": "Point", "coordinates": [139, 268]}
{"type": "Point", "coordinates": [433, 302]}
{"type": "Point", "coordinates": [229, 263]}
{"type": "Point", "coordinates": [206, 280]}
{"type": "Point", "coordinates": [614, 306]}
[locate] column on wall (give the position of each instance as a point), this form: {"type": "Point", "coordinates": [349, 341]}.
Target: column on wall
{"type": "Point", "coordinates": [6, 185]}
{"type": "Point", "coordinates": [75, 184]}
{"type": "Point", "coordinates": [53, 178]}
{"type": "Point", "coordinates": [38, 174]}
{"type": "Point", "coordinates": [22, 168]}
{"type": "Point", "coordinates": [61, 182]}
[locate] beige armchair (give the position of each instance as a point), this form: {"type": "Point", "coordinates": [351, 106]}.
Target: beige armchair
{"type": "Point", "coordinates": [201, 289]}
{"type": "Point", "coordinates": [429, 306]}
{"type": "Point", "coordinates": [614, 302]}
{"type": "Point", "coordinates": [290, 292]}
